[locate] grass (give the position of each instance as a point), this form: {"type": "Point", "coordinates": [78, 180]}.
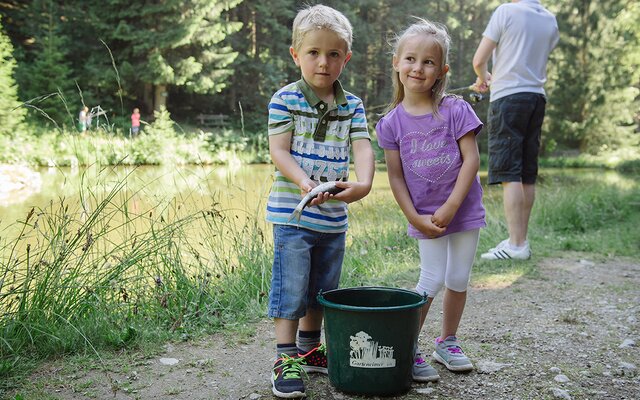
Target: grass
{"type": "Point", "coordinates": [104, 147]}
{"type": "Point", "coordinates": [77, 279]}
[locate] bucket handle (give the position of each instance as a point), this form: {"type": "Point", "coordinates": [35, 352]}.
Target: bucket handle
{"type": "Point", "coordinates": [425, 297]}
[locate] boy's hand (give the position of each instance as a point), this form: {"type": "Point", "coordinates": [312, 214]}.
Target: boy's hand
{"type": "Point", "coordinates": [353, 191]}
{"type": "Point", "coordinates": [443, 215]}
{"type": "Point", "coordinates": [306, 186]}
{"type": "Point", "coordinates": [424, 224]}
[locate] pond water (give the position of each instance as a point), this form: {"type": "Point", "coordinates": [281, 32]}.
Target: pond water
{"type": "Point", "coordinates": [243, 188]}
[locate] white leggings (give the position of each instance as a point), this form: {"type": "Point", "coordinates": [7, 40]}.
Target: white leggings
{"type": "Point", "coordinates": [447, 260]}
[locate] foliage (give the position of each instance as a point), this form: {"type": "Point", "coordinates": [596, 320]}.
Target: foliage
{"type": "Point", "coordinates": [593, 98]}
{"type": "Point", "coordinates": [78, 276]}
{"type": "Point", "coordinates": [11, 114]}
{"type": "Point", "coordinates": [169, 45]}
{"type": "Point", "coordinates": [45, 82]}
{"type": "Point", "coordinates": [229, 57]}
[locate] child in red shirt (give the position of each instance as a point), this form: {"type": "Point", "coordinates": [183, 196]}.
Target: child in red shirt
{"type": "Point", "coordinates": [135, 122]}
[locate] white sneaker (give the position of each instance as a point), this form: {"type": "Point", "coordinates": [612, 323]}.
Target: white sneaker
{"type": "Point", "coordinates": [499, 245]}
{"type": "Point", "coordinates": [504, 251]}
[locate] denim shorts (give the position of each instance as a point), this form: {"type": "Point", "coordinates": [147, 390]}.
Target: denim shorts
{"type": "Point", "coordinates": [304, 262]}
{"type": "Point", "coordinates": [515, 125]}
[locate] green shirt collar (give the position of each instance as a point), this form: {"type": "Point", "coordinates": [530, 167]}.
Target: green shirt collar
{"type": "Point", "coordinates": [314, 100]}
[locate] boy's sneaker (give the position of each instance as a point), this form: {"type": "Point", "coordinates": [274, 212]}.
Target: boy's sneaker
{"type": "Point", "coordinates": [449, 353]}
{"type": "Point", "coordinates": [421, 371]}
{"type": "Point", "coordinates": [286, 378]}
{"type": "Point", "coordinates": [315, 360]}
{"type": "Point", "coordinates": [504, 251]}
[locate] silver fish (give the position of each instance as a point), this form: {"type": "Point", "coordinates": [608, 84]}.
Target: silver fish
{"type": "Point", "coordinates": [329, 187]}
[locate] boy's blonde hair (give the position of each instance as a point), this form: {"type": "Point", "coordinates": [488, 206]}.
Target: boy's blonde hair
{"type": "Point", "coordinates": [428, 29]}
{"type": "Point", "coordinates": [320, 17]}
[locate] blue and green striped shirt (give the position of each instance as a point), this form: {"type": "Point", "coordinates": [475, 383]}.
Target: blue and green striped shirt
{"type": "Point", "coordinates": [322, 134]}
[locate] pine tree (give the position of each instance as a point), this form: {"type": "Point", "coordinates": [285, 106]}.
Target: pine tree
{"type": "Point", "coordinates": [168, 44]}
{"type": "Point", "coordinates": [11, 114]}
{"type": "Point", "coordinates": [45, 82]}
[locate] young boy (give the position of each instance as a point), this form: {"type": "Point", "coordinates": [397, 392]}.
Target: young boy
{"type": "Point", "coordinates": [313, 125]}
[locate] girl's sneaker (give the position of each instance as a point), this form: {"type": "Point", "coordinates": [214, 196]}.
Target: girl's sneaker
{"type": "Point", "coordinates": [315, 360]}
{"type": "Point", "coordinates": [422, 371]}
{"type": "Point", "coordinates": [286, 377]}
{"type": "Point", "coordinates": [449, 353]}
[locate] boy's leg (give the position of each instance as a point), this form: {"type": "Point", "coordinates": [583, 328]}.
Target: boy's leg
{"type": "Point", "coordinates": [287, 303]}
{"type": "Point", "coordinates": [326, 266]}
{"type": "Point", "coordinates": [285, 330]}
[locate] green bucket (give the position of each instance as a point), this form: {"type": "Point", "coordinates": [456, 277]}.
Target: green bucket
{"type": "Point", "coordinates": [371, 335]}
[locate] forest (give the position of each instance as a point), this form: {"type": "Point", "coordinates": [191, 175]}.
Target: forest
{"type": "Point", "coordinates": [228, 57]}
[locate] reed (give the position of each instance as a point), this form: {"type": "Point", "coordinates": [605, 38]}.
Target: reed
{"type": "Point", "coordinates": [103, 273]}
{"type": "Point", "coordinates": [78, 278]}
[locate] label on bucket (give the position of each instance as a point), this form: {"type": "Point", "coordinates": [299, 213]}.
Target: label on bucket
{"type": "Point", "coordinates": [367, 353]}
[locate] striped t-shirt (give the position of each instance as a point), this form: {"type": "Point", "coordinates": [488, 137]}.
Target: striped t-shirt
{"type": "Point", "coordinates": [320, 143]}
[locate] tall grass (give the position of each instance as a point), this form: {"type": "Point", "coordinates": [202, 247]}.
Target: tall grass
{"type": "Point", "coordinates": [79, 278]}
{"type": "Point", "coordinates": [102, 273]}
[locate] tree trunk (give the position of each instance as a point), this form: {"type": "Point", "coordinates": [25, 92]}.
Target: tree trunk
{"type": "Point", "coordinates": [160, 97]}
{"type": "Point", "coordinates": [147, 98]}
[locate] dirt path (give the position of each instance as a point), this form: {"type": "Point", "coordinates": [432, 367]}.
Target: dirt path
{"type": "Point", "coordinates": [573, 332]}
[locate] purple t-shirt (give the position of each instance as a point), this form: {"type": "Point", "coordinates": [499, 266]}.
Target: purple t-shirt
{"type": "Point", "coordinates": [431, 159]}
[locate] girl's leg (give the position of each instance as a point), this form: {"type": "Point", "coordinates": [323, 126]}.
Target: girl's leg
{"type": "Point", "coordinates": [452, 309]}
{"type": "Point", "coordinates": [461, 254]}
{"type": "Point", "coordinates": [433, 263]}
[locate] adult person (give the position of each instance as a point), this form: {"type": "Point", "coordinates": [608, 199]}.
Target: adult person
{"type": "Point", "coordinates": [520, 35]}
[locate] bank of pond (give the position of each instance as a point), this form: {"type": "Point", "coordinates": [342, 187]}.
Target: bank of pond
{"type": "Point", "coordinates": [107, 258]}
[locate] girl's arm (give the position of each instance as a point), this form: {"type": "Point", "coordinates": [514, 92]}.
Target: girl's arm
{"type": "Point", "coordinates": [364, 166]}
{"type": "Point", "coordinates": [468, 171]}
{"type": "Point", "coordinates": [403, 198]}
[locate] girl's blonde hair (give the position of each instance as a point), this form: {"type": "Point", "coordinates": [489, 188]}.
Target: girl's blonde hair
{"type": "Point", "coordinates": [440, 35]}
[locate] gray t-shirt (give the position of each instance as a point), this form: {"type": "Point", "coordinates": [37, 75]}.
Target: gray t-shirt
{"type": "Point", "coordinates": [525, 33]}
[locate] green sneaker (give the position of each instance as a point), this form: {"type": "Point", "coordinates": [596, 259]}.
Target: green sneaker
{"type": "Point", "coordinates": [286, 379]}
{"type": "Point", "coordinates": [449, 353]}
{"type": "Point", "coordinates": [315, 360]}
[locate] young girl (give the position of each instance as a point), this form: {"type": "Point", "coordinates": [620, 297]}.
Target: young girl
{"type": "Point", "coordinates": [429, 141]}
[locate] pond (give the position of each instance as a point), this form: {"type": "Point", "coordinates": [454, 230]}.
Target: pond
{"type": "Point", "coordinates": [241, 188]}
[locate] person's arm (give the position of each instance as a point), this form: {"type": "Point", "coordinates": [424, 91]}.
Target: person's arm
{"type": "Point", "coordinates": [481, 63]}
{"type": "Point", "coordinates": [364, 165]}
{"type": "Point", "coordinates": [403, 198]}
{"type": "Point", "coordinates": [280, 150]}
{"type": "Point", "coordinates": [468, 171]}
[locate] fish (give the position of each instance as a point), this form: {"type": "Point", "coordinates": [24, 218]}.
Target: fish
{"type": "Point", "coordinates": [327, 187]}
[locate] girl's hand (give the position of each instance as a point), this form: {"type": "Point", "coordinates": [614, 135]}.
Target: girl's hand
{"type": "Point", "coordinates": [425, 225]}
{"type": "Point", "coordinates": [443, 215]}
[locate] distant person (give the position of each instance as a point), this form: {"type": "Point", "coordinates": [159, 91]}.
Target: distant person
{"type": "Point", "coordinates": [135, 122]}
{"type": "Point", "coordinates": [89, 118]}
{"type": "Point", "coordinates": [313, 126]}
{"type": "Point", "coordinates": [429, 142]}
{"type": "Point", "coordinates": [520, 35]}
{"type": "Point", "coordinates": [82, 118]}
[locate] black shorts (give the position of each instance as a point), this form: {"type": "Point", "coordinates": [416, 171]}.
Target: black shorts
{"type": "Point", "coordinates": [514, 125]}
